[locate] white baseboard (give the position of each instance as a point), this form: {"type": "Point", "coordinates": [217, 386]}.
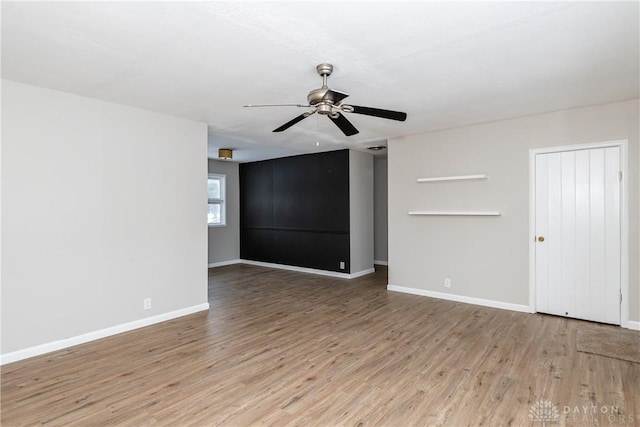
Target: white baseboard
{"type": "Point", "coordinates": [223, 263]}
{"type": "Point", "coordinates": [461, 298]}
{"type": "Point", "coordinates": [95, 335]}
{"type": "Point", "coordinates": [309, 270]}
{"type": "Point", "coordinates": [378, 262]}
{"type": "Point", "coordinates": [633, 325]}
{"type": "Point", "coordinates": [362, 273]}
{"type": "Point", "coordinates": [295, 268]}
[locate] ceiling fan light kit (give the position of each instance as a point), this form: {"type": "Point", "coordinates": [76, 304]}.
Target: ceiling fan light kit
{"type": "Point", "coordinates": [328, 102]}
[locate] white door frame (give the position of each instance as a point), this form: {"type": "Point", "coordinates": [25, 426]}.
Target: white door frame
{"type": "Point", "coordinates": [624, 212]}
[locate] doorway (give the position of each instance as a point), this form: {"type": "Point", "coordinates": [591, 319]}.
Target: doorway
{"type": "Point", "coordinates": [577, 232]}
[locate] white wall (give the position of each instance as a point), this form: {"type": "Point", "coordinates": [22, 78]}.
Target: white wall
{"type": "Point", "coordinates": [487, 257]}
{"type": "Point", "coordinates": [361, 211]}
{"type": "Point", "coordinates": [224, 242]}
{"type": "Point", "coordinates": [103, 205]}
{"type": "Point", "coordinates": [380, 208]}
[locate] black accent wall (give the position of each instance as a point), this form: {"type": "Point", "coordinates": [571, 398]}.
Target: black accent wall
{"type": "Point", "coordinates": [295, 211]}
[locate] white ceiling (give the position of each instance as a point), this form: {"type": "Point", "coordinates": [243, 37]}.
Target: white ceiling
{"type": "Point", "coordinates": [446, 64]}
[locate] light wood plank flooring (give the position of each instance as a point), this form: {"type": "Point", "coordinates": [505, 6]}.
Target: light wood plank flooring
{"type": "Point", "coordinates": [283, 348]}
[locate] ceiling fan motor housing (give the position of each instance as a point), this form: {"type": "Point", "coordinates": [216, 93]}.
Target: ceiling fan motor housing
{"type": "Point", "coordinates": [316, 96]}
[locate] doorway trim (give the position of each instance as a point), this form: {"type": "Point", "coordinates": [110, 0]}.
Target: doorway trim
{"type": "Point", "coordinates": [624, 220]}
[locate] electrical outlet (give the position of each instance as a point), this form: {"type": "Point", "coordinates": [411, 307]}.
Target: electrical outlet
{"type": "Point", "coordinates": [447, 282]}
{"type": "Point", "coordinates": [341, 265]}
{"type": "Point", "coordinates": [147, 303]}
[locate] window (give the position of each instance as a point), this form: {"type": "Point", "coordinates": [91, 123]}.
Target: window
{"type": "Point", "coordinates": [217, 189]}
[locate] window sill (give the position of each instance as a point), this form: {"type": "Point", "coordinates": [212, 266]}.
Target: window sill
{"type": "Point", "coordinates": [216, 225]}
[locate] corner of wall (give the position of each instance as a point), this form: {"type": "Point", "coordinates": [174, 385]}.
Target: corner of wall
{"type": "Point", "coordinates": [361, 210]}
{"type": "Point", "coordinates": [380, 211]}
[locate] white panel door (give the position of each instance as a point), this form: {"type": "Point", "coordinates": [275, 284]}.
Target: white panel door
{"type": "Point", "coordinates": [578, 234]}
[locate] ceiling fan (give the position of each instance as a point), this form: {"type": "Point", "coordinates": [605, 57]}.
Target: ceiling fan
{"type": "Point", "coordinates": [327, 102]}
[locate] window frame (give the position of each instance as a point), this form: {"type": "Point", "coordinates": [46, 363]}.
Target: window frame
{"type": "Point", "coordinates": [219, 201]}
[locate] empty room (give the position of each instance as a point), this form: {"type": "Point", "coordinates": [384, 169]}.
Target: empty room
{"type": "Point", "coordinates": [318, 213]}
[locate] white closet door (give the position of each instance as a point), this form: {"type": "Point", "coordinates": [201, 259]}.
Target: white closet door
{"type": "Point", "coordinates": [578, 234]}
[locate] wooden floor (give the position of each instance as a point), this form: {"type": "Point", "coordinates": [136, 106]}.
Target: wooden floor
{"type": "Point", "coordinates": [283, 348]}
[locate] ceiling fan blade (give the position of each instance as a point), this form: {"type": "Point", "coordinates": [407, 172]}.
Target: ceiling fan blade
{"type": "Point", "coordinates": [378, 112]}
{"type": "Point", "coordinates": [275, 105]}
{"type": "Point", "coordinates": [334, 96]}
{"type": "Point", "coordinates": [291, 122]}
{"type": "Point", "coordinates": [345, 125]}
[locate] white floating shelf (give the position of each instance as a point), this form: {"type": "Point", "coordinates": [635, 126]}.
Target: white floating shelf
{"type": "Point", "coordinates": [456, 213]}
{"type": "Point", "coordinates": [452, 178]}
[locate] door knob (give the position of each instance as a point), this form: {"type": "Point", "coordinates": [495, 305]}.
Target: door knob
{"type": "Point", "coordinates": [540, 239]}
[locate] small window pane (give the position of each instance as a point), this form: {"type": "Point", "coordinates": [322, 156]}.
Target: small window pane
{"type": "Point", "coordinates": [214, 214]}
{"type": "Point", "coordinates": [216, 193]}
{"type": "Point", "coordinates": [214, 188]}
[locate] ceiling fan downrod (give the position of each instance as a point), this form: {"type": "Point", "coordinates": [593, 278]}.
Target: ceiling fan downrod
{"type": "Point", "coordinates": [317, 97]}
